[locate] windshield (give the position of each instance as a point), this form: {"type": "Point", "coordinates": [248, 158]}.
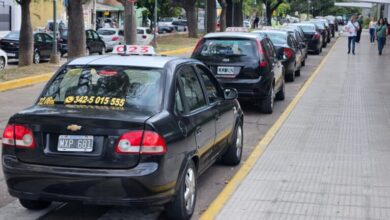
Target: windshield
{"type": "Point", "coordinates": [244, 48]}
{"type": "Point", "coordinates": [106, 32]}
{"type": "Point", "coordinates": [114, 86]}
{"type": "Point", "coordinates": [13, 35]}
{"type": "Point", "coordinates": [277, 37]}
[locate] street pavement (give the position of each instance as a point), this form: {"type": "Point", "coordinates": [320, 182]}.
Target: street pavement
{"type": "Point", "coordinates": [209, 184]}
{"type": "Point", "coordinates": [330, 159]}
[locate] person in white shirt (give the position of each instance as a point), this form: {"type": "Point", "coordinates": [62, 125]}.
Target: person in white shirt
{"type": "Point", "coordinates": [351, 28]}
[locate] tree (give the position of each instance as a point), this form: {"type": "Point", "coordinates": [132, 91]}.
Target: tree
{"type": "Point", "coordinates": [222, 17]}
{"type": "Point", "coordinates": [234, 13]}
{"type": "Point", "coordinates": [26, 43]}
{"type": "Point", "coordinates": [130, 25]}
{"type": "Point", "coordinates": [76, 37]}
{"type": "Point", "coordinates": [211, 16]}
{"type": "Point", "coordinates": [165, 9]}
{"type": "Point", "coordinates": [270, 7]}
{"type": "Point", "coordinates": [189, 7]}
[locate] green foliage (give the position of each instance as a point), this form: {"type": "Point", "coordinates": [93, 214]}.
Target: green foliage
{"type": "Point", "coordinates": [165, 9]}
{"type": "Point", "coordinates": [283, 9]}
{"type": "Point", "coordinates": [321, 7]}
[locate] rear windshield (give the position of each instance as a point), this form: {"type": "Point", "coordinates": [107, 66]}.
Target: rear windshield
{"type": "Point", "coordinates": [13, 35]}
{"type": "Point", "coordinates": [277, 37]}
{"type": "Point", "coordinates": [114, 86]}
{"type": "Point", "coordinates": [217, 48]}
{"type": "Point", "coordinates": [106, 32]}
{"type": "Point", "coordinates": [308, 28]}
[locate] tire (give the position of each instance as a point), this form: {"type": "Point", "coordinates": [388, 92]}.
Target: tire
{"type": "Point", "coordinates": [233, 155]}
{"type": "Point", "coordinates": [179, 208]}
{"type": "Point", "coordinates": [298, 72]}
{"type": "Point", "coordinates": [281, 95]}
{"type": "Point", "coordinates": [34, 204]}
{"type": "Point", "coordinates": [290, 77]}
{"type": "Point", "coordinates": [304, 63]}
{"type": "Point", "coordinates": [267, 105]}
{"type": "Point", "coordinates": [87, 52]}
{"type": "Point", "coordinates": [2, 63]}
{"type": "Point", "coordinates": [36, 57]}
{"type": "Point", "coordinates": [103, 51]}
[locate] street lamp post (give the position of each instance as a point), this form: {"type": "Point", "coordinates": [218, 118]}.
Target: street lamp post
{"type": "Point", "coordinates": [55, 57]}
{"type": "Point", "coordinates": [155, 24]}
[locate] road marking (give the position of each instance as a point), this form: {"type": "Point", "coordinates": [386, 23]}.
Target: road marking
{"type": "Point", "coordinates": [26, 81]}
{"type": "Point", "coordinates": [216, 206]}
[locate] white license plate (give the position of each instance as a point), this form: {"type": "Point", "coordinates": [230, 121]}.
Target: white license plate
{"type": "Point", "coordinates": [225, 70]}
{"type": "Point", "coordinates": [75, 143]}
{"type": "Point", "coordinates": [11, 54]}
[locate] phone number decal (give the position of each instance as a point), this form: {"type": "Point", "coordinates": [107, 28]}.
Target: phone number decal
{"type": "Point", "coordinates": [95, 100]}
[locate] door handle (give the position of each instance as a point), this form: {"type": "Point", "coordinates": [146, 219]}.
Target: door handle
{"type": "Point", "coordinates": [198, 130]}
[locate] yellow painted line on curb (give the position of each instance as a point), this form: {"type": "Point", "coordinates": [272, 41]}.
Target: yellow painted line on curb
{"type": "Point", "coordinates": [216, 206]}
{"type": "Point", "coordinates": [17, 83]}
{"type": "Point", "coordinates": [26, 81]}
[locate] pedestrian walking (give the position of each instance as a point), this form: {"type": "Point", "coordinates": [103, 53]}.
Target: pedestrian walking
{"type": "Point", "coordinates": [351, 28]}
{"type": "Point", "coordinates": [372, 28]}
{"type": "Point", "coordinates": [256, 22]}
{"type": "Point", "coordinates": [359, 31]}
{"type": "Point", "coordinates": [381, 32]}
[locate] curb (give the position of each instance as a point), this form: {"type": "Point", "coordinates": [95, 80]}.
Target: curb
{"type": "Point", "coordinates": [26, 81]}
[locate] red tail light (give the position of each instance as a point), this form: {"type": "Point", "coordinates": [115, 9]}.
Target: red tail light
{"type": "Point", "coordinates": [262, 63]}
{"type": "Point", "coordinates": [288, 53]}
{"type": "Point", "coordinates": [141, 142]}
{"type": "Point", "coordinates": [316, 36]}
{"type": "Point", "coordinates": [200, 41]}
{"type": "Point", "coordinates": [144, 36]}
{"type": "Point", "coordinates": [115, 38]}
{"type": "Point", "coordinates": [19, 136]}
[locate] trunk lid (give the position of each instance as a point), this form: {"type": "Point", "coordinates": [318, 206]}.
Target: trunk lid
{"type": "Point", "coordinates": [103, 125]}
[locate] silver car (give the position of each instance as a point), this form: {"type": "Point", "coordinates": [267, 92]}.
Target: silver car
{"type": "Point", "coordinates": [111, 37]}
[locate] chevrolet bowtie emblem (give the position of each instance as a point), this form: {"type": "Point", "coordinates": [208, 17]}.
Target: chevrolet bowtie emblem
{"type": "Point", "coordinates": [74, 127]}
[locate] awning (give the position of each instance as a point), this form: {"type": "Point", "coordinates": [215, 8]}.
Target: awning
{"type": "Point", "coordinates": [354, 4]}
{"type": "Point", "coordinates": [104, 7]}
{"type": "Point", "coordinates": [373, 1]}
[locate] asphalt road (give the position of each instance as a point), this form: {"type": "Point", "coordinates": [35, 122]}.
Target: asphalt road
{"type": "Point", "coordinates": [209, 184]}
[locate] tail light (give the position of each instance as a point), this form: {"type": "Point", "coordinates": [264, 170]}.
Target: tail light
{"type": "Point", "coordinates": [144, 36]}
{"type": "Point", "coordinates": [141, 142]}
{"type": "Point", "coordinates": [200, 41]}
{"type": "Point", "coordinates": [115, 38]}
{"type": "Point", "coordinates": [262, 63]}
{"type": "Point", "coordinates": [288, 53]}
{"type": "Point", "coordinates": [316, 36]}
{"type": "Point", "coordinates": [19, 136]}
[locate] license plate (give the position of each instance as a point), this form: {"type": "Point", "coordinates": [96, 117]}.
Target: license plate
{"type": "Point", "coordinates": [11, 54]}
{"type": "Point", "coordinates": [75, 143]}
{"type": "Point", "coordinates": [225, 70]}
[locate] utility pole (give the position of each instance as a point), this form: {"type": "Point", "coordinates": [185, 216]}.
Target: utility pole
{"type": "Point", "coordinates": [54, 56]}
{"type": "Point", "coordinates": [205, 16]}
{"type": "Point", "coordinates": [155, 24]}
{"type": "Point", "coordinates": [93, 21]}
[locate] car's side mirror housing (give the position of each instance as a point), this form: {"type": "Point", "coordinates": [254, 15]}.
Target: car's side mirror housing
{"type": "Point", "coordinates": [230, 94]}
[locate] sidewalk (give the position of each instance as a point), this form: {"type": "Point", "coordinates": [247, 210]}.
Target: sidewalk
{"type": "Point", "coordinates": [331, 157]}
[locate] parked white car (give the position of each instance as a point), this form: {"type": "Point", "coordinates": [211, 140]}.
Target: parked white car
{"type": "Point", "coordinates": [3, 59]}
{"type": "Point", "coordinates": [111, 37]}
{"type": "Point", "coordinates": [144, 36]}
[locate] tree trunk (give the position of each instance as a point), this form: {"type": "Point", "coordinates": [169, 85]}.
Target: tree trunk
{"type": "Point", "coordinates": [191, 19]}
{"type": "Point", "coordinates": [26, 43]}
{"type": "Point", "coordinates": [268, 14]}
{"type": "Point", "coordinates": [211, 16]}
{"type": "Point", "coordinates": [229, 13]}
{"type": "Point", "coordinates": [222, 17]}
{"type": "Point", "coordinates": [76, 37]}
{"type": "Point", "coordinates": [130, 26]}
{"type": "Point", "coordinates": [238, 15]}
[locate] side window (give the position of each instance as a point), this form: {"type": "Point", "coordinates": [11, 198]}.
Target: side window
{"type": "Point", "coordinates": [95, 35]}
{"type": "Point", "coordinates": [212, 88]}
{"type": "Point", "coordinates": [48, 38]}
{"type": "Point", "coordinates": [192, 89]}
{"type": "Point", "coordinates": [272, 50]}
{"type": "Point", "coordinates": [121, 33]}
{"type": "Point", "coordinates": [89, 35]}
{"type": "Point", "coordinates": [266, 50]}
{"type": "Point", "coordinates": [178, 106]}
{"type": "Point", "coordinates": [38, 38]}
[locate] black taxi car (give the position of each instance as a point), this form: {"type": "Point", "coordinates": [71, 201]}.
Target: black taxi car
{"type": "Point", "coordinates": [122, 130]}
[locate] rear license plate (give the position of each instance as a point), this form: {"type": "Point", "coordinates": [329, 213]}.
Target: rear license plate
{"type": "Point", "coordinates": [11, 54]}
{"type": "Point", "coordinates": [225, 70]}
{"type": "Point", "coordinates": [75, 143]}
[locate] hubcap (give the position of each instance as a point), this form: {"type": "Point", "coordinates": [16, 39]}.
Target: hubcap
{"type": "Point", "coordinates": [239, 141]}
{"type": "Point", "coordinates": [272, 97]}
{"type": "Point", "coordinates": [189, 192]}
{"type": "Point", "coordinates": [2, 63]}
{"type": "Point", "coordinates": [36, 58]}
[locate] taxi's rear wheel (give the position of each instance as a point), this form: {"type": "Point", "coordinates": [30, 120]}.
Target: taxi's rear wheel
{"type": "Point", "coordinates": [183, 204]}
{"type": "Point", "coordinates": [234, 153]}
{"type": "Point", "coordinates": [34, 204]}
{"type": "Point", "coordinates": [267, 105]}
{"type": "Point", "coordinates": [37, 57]}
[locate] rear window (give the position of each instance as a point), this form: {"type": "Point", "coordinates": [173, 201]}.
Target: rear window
{"type": "Point", "coordinates": [13, 35]}
{"type": "Point", "coordinates": [140, 31]}
{"type": "Point", "coordinates": [308, 28]}
{"type": "Point", "coordinates": [106, 32]}
{"type": "Point", "coordinates": [114, 86]}
{"type": "Point", "coordinates": [214, 48]}
{"type": "Point", "coordinates": [277, 38]}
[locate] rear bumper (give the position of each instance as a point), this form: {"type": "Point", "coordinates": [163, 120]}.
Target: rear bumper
{"type": "Point", "coordinates": [141, 185]}
{"type": "Point", "coordinates": [314, 45]}
{"type": "Point", "coordinates": [249, 88]}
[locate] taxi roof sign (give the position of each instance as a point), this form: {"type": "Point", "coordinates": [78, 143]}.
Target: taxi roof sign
{"type": "Point", "coordinates": [237, 29]}
{"type": "Point", "coordinates": [134, 49]}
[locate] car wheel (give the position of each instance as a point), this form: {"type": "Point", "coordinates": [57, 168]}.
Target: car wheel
{"type": "Point", "coordinates": [267, 105]}
{"type": "Point", "coordinates": [290, 77]}
{"type": "Point", "coordinates": [87, 52]}
{"type": "Point", "coordinates": [304, 63]}
{"type": "Point", "coordinates": [298, 72]}
{"type": "Point", "coordinates": [37, 57]}
{"type": "Point", "coordinates": [282, 92]}
{"type": "Point", "coordinates": [103, 51]}
{"type": "Point", "coordinates": [34, 204]}
{"type": "Point", "coordinates": [183, 204]}
{"type": "Point", "coordinates": [2, 63]}
{"type": "Point", "coordinates": [233, 154]}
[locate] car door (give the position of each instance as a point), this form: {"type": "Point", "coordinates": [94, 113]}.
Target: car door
{"type": "Point", "coordinates": [97, 41]}
{"type": "Point", "coordinates": [48, 45]}
{"type": "Point", "coordinates": [224, 111]}
{"type": "Point", "coordinates": [276, 63]}
{"type": "Point", "coordinates": [39, 43]}
{"type": "Point", "coordinates": [199, 114]}
{"type": "Point", "coordinates": [90, 42]}
{"type": "Point", "coordinates": [298, 54]}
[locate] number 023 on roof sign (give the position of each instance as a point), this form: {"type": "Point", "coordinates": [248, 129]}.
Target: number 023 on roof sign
{"type": "Point", "coordinates": [134, 49]}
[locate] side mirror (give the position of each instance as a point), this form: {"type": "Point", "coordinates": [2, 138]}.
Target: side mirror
{"type": "Point", "coordinates": [230, 94]}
